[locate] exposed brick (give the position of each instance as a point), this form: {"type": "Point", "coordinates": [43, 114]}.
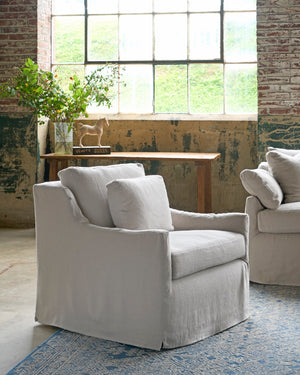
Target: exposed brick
{"type": "Point", "coordinates": [296, 111]}
{"type": "Point", "coordinates": [280, 111]}
{"type": "Point", "coordinates": [273, 33]}
{"type": "Point", "coordinates": [273, 95]}
{"type": "Point", "coordinates": [25, 30]}
{"type": "Point", "coordinates": [278, 41]}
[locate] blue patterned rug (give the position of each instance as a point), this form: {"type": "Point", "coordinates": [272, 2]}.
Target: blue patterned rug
{"type": "Point", "coordinates": [267, 343]}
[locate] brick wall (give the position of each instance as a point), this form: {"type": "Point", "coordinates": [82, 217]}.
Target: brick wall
{"type": "Point", "coordinates": [18, 36]}
{"type": "Point", "coordinates": [278, 47]}
{"type": "Point", "coordinates": [44, 34]}
{"type": "Point", "coordinates": [24, 32]}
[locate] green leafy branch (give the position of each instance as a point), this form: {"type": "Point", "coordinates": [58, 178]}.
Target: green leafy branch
{"type": "Point", "coordinates": [38, 90]}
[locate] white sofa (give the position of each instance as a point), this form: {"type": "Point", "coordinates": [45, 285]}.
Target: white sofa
{"type": "Point", "coordinates": [153, 287]}
{"type": "Point", "coordinates": [274, 212]}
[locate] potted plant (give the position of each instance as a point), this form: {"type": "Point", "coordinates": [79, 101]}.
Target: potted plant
{"type": "Point", "coordinates": [40, 91]}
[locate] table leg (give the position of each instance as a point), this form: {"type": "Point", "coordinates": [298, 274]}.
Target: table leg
{"type": "Point", "coordinates": [204, 186]}
{"type": "Point", "coordinates": [64, 164]}
{"type": "Point", "coordinates": [53, 169]}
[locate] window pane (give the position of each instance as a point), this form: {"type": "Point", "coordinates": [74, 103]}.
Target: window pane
{"type": "Point", "coordinates": [240, 37]}
{"type": "Point", "coordinates": [135, 6]}
{"type": "Point", "coordinates": [67, 6]}
{"type": "Point", "coordinates": [68, 39]}
{"type": "Point", "coordinates": [170, 6]}
{"type": "Point", "coordinates": [136, 96]}
{"type": "Point", "coordinates": [204, 6]}
{"type": "Point", "coordinates": [170, 37]}
{"type": "Point", "coordinates": [205, 36]}
{"type": "Point", "coordinates": [103, 38]}
{"type": "Point", "coordinates": [102, 7]}
{"type": "Point", "coordinates": [206, 88]}
{"type": "Point", "coordinates": [171, 89]}
{"type": "Point", "coordinates": [64, 72]}
{"type": "Point", "coordinates": [136, 37]}
{"type": "Point", "coordinates": [239, 4]}
{"type": "Point", "coordinates": [240, 88]}
{"type": "Point", "coordinates": [112, 93]}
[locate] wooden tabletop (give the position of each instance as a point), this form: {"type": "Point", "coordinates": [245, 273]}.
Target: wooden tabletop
{"type": "Point", "coordinates": [189, 156]}
{"type": "Point", "coordinates": [201, 160]}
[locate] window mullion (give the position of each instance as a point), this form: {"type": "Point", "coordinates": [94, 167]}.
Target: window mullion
{"type": "Point", "coordinates": [85, 32]}
{"type": "Point", "coordinates": [222, 31]}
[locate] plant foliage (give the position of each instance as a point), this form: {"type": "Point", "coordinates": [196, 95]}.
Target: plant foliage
{"type": "Point", "coordinates": [39, 90]}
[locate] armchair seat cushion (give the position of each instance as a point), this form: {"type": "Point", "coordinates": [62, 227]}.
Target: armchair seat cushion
{"type": "Point", "coordinates": [285, 219]}
{"type": "Point", "coordinates": [196, 250]}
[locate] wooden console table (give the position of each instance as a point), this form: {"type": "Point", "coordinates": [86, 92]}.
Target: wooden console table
{"type": "Point", "coordinates": [202, 161]}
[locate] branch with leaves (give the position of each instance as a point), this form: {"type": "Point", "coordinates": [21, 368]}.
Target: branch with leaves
{"type": "Point", "coordinates": [38, 90]}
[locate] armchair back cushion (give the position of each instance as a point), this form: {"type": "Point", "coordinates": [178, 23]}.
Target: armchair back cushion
{"type": "Point", "coordinates": [286, 170]}
{"type": "Point", "coordinates": [88, 185]}
{"type": "Point", "coordinates": [140, 203]}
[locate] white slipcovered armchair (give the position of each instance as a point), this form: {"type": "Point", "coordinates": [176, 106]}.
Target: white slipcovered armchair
{"type": "Point", "coordinates": [153, 288]}
{"type": "Point", "coordinates": [274, 218]}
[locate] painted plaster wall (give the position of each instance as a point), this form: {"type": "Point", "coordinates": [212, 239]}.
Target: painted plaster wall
{"type": "Point", "coordinates": [235, 140]}
{"type": "Point", "coordinates": [18, 159]}
{"type": "Point", "coordinates": [278, 47]}
{"type": "Point", "coordinates": [24, 32]}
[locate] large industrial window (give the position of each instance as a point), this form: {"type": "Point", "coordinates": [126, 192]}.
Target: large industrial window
{"type": "Point", "coordinates": [176, 56]}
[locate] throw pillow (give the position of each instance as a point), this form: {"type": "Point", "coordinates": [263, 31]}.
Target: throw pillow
{"type": "Point", "coordinates": [284, 151]}
{"type": "Point", "coordinates": [88, 185]}
{"type": "Point", "coordinates": [264, 165]}
{"type": "Point", "coordinates": [262, 184]}
{"type": "Point", "coordinates": [286, 170]}
{"type": "Point", "coordinates": [140, 203]}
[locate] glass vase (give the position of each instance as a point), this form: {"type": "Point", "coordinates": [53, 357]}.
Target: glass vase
{"type": "Point", "coordinates": [63, 138]}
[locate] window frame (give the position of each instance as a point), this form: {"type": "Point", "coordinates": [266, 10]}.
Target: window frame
{"type": "Point", "coordinates": [155, 62]}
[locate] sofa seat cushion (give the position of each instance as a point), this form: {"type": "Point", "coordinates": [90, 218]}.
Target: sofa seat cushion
{"type": "Point", "coordinates": [196, 250]}
{"type": "Point", "coordinates": [285, 219]}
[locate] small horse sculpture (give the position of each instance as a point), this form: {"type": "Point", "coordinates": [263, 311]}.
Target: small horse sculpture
{"type": "Point", "coordinates": [97, 129]}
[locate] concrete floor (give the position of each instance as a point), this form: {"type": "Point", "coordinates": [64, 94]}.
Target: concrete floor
{"type": "Point", "coordinates": [19, 333]}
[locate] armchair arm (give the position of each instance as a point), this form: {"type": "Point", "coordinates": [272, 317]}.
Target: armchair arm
{"type": "Point", "coordinates": [233, 222]}
{"type": "Point", "coordinates": [99, 277]}
{"type": "Point", "coordinates": [252, 208]}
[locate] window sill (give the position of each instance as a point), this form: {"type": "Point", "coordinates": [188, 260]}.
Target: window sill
{"type": "Point", "coordinates": [173, 117]}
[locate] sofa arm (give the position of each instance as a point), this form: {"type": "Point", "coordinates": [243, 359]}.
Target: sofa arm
{"type": "Point", "coordinates": [252, 208]}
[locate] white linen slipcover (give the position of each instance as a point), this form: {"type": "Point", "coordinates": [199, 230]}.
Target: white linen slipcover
{"type": "Point", "coordinates": [117, 284]}
{"type": "Point", "coordinates": [285, 219]}
{"type": "Point", "coordinates": [88, 184]}
{"type": "Point", "coordinates": [196, 250]}
{"type": "Point", "coordinates": [260, 183]}
{"type": "Point", "coordinates": [274, 257]}
{"type": "Point", "coordinates": [286, 170]}
{"type": "Point", "coordinates": [139, 203]}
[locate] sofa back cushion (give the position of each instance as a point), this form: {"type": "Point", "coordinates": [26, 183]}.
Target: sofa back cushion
{"type": "Point", "coordinates": [140, 203]}
{"type": "Point", "coordinates": [262, 184]}
{"type": "Point", "coordinates": [88, 185]}
{"type": "Point", "coordinates": [286, 170]}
